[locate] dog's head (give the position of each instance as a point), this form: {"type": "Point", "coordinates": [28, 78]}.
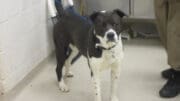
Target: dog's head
{"type": "Point", "coordinates": [107, 27]}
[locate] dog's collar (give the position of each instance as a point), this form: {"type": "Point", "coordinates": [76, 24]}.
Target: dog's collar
{"type": "Point", "coordinates": [103, 48]}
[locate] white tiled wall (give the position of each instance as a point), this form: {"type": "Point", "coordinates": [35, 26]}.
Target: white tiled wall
{"type": "Point", "coordinates": [25, 39]}
{"type": "Point", "coordinates": [9, 8]}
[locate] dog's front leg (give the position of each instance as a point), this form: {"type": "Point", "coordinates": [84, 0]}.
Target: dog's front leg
{"type": "Point", "coordinates": [96, 82]}
{"type": "Point", "coordinates": [114, 81]}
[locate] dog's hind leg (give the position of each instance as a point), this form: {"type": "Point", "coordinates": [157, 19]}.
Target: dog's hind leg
{"type": "Point", "coordinates": [76, 58]}
{"type": "Point", "coordinates": [61, 57]}
{"type": "Point", "coordinates": [73, 53]}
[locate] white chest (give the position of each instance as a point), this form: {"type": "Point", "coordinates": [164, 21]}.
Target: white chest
{"type": "Point", "coordinates": [108, 58]}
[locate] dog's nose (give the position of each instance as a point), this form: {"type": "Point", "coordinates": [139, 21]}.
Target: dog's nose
{"type": "Point", "coordinates": [110, 36]}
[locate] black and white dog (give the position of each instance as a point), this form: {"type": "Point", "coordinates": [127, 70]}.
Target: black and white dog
{"type": "Point", "coordinates": [98, 38]}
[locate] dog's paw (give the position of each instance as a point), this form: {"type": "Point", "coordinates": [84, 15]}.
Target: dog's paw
{"type": "Point", "coordinates": [69, 74]}
{"type": "Point", "coordinates": [63, 87]}
{"type": "Point", "coordinates": [114, 99]}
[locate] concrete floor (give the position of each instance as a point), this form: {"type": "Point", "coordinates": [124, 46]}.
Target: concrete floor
{"type": "Point", "coordinates": [140, 78]}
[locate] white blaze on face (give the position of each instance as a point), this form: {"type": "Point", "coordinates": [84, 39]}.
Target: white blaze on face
{"type": "Point", "coordinates": [104, 40]}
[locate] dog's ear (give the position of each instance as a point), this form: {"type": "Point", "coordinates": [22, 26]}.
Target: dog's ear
{"type": "Point", "coordinates": [120, 13]}
{"type": "Point", "coordinates": [94, 15]}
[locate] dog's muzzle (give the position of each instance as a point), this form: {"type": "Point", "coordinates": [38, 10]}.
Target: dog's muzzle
{"type": "Point", "coordinates": [111, 37]}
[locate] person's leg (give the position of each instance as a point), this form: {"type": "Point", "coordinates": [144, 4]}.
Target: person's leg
{"type": "Point", "coordinates": [161, 12]}
{"type": "Point", "coordinates": [172, 87]}
{"type": "Point", "coordinates": [59, 7]}
{"type": "Point", "coordinates": [173, 36]}
{"type": "Point", "coordinates": [58, 3]}
{"type": "Point", "coordinates": [161, 19]}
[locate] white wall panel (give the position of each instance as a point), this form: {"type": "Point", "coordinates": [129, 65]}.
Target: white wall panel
{"type": "Point", "coordinates": [25, 39]}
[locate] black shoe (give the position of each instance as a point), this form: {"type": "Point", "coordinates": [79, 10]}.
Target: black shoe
{"type": "Point", "coordinates": [171, 88]}
{"type": "Point", "coordinates": [167, 73]}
